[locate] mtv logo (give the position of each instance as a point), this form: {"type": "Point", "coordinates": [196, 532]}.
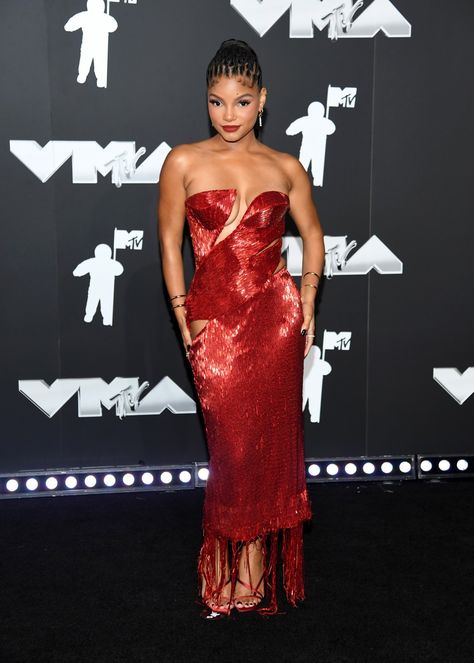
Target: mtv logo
{"type": "Point", "coordinates": [345, 97]}
{"type": "Point", "coordinates": [124, 239]}
{"type": "Point", "coordinates": [336, 250]}
{"type": "Point", "coordinates": [336, 340]}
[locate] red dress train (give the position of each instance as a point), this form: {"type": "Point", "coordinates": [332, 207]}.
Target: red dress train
{"type": "Point", "coordinates": [247, 365]}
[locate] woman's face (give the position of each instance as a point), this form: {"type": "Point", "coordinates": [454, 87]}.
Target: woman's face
{"type": "Point", "coordinates": [233, 102]}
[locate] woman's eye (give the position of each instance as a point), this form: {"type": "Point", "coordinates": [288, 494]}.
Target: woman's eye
{"type": "Point", "coordinates": [245, 102]}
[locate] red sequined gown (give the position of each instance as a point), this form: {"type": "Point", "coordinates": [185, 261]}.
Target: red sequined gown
{"type": "Point", "coordinates": [247, 365]}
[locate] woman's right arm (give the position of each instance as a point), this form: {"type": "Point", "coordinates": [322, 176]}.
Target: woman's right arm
{"type": "Point", "coordinates": [171, 217]}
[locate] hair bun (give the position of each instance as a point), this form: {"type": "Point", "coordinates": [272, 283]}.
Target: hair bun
{"type": "Point", "coordinates": [228, 43]}
{"type": "Point", "coordinates": [235, 57]}
{"type": "Point", "coordinates": [234, 42]}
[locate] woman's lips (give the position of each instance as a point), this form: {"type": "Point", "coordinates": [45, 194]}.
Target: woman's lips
{"type": "Point", "coordinates": [230, 127]}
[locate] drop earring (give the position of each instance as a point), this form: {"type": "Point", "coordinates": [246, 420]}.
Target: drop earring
{"type": "Point", "coordinates": [260, 118]}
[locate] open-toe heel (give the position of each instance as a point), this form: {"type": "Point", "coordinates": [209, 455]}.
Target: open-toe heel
{"type": "Point", "coordinates": [220, 605]}
{"type": "Point", "coordinates": [255, 593]}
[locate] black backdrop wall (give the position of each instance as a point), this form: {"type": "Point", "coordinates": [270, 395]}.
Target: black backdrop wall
{"type": "Point", "coordinates": [380, 112]}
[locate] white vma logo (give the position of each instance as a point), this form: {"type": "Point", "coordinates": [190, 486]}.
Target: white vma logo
{"type": "Point", "coordinates": [96, 24]}
{"type": "Point", "coordinates": [458, 385]}
{"type": "Point", "coordinates": [93, 394]}
{"type": "Point", "coordinates": [344, 19]}
{"type": "Point", "coordinates": [119, 158]}
{"type": "Point", "coordinates": [374, 254]}
{"type": "Point", "coordinates": [316, 126]}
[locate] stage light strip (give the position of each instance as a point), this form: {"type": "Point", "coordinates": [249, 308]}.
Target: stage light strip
{"type": "Point", "coordinates": [82, 481]}
{"type": "Point", "coordinates": [360, 468]}
{"type": "Point", "coordinates": [448, 466]}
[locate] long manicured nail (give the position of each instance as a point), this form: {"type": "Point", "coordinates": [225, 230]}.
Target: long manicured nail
{"type": "Point", "coordinates": [303, 332]}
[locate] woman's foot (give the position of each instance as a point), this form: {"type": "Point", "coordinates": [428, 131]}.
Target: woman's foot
{"type": "Point", "coordinates": [250, 587]}
{"type": "Point", "coordinates": [222, 602]}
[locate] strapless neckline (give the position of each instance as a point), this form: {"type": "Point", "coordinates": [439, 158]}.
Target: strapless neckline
{"type": "Point", "coordinates": [223, 208]}
{"type": "Point", "coordinates": [259, 195]}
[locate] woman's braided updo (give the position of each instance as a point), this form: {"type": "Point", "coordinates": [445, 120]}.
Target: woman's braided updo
{"type": "Point", "coordinates": [234, 57]}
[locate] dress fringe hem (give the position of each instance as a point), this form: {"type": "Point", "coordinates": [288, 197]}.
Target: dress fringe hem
{"type": "Point", "coordinates": [214, 557]}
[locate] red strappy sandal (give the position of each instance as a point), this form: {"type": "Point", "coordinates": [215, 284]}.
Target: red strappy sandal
{"type": "Point", "coordinates": [220, 608]}
{"type": "Point", "coordinates": [255, 593]}
{"type": "Point", "coordinates": [224, 608]}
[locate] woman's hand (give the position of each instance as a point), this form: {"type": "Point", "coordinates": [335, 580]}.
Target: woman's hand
{"type": "Point", "coordinates": [308, 325]}
{"type": "Point", "coordinates": [185, 334]}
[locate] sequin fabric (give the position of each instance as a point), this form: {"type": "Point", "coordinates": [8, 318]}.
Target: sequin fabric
{"type": "Point", "coordinates": [247, 365]}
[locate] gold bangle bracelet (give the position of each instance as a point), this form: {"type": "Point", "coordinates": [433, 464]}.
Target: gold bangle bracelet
{"type": "Point", "coordinates": [178, 305]}
{"type": "Point", "coordinates": [310, 285]}
{"type": "Point", "coordinates": [176, 296]}
{"type": "Point", "coordinates": [311, 273]}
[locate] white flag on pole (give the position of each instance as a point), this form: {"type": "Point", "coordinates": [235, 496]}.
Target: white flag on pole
{"type": "Point", "coordinates": [336, 341]}
{"type": "Point", "coordinates": [345, 97]}
{"type": "Point", "coordinates": [124, 239]}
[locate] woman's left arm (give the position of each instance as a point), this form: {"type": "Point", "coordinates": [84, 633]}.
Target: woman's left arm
{"type": "Point", "coordinates": [304, 213]}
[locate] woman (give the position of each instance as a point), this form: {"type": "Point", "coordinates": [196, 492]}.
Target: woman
{"type": "Point", "coordinates": [246, 329]}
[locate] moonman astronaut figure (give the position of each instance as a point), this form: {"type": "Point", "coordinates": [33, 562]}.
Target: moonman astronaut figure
{"type": "Point", "coordinates": [102, 270]}
{"type": "Point", "coordinates": [315, 128]}
{"type": "Point", "coordinates": [315, 369]}
{"type": "Point", "coordinates": [96, 26]}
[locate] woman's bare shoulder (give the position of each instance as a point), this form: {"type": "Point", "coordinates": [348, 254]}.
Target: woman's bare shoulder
{"type": "Point", "coordinates": [284, 158]}
{"type": "Point", "coordinates": [288, 163]}
{"type": "Point", "coordinates": [183, 156]}
{"type": "Point", "coordinates": [180, 153]}
{"type": "Point", "coordinates": [191, 149]}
